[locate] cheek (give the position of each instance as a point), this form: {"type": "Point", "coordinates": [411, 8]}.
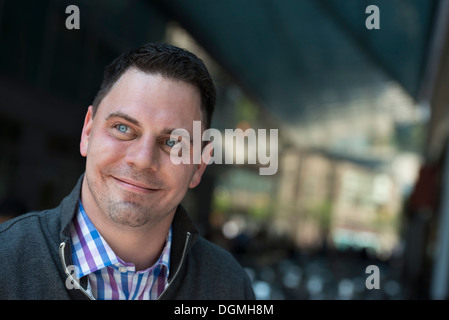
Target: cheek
{"type": "Point", "coordinates": [179, 175]}
{"type": "Point", "coordinates": [103, 150]}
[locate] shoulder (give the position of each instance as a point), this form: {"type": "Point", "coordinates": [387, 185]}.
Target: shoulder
{"type": "Point", "coordinates": [18, 225]}
{"type": "Point", "coordinates": [28, 258]}
{"type": "Point", "coordinates": [26, 229]}
{"type": "Point", "coordinates": [220, 272]}
{"type": "Point", "coordinates": [215, 255]}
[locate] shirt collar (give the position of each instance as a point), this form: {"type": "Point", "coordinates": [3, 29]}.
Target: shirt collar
{"type": "Point", "coordinates": [90, 251]}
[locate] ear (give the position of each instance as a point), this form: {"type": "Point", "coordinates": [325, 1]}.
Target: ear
{"type": "Point", "coordinates": [205, 158]}
{"type": "Point", "coordinates": [86, 132]}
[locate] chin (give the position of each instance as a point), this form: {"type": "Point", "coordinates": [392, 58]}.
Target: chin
{"type": "Point", "coordinates": [133, 214]}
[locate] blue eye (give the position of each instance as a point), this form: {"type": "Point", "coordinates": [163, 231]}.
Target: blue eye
{"type": "Point", "coordinates": [170, 143]}
{"type": "Point", "coordinates": [122, 128]}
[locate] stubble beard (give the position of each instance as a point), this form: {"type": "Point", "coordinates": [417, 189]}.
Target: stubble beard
{"type": "Point", "coordinates": [130, 210]}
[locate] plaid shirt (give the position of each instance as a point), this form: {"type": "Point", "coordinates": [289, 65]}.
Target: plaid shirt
{"type": "Point", "coordinates": [110, 278]}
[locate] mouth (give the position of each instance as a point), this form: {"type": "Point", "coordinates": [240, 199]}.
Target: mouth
{"type": "Point", "coordinates": [135, 186]}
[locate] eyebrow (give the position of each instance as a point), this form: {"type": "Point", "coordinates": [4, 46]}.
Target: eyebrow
{"type": "Point", "coordinates": [119, 114]}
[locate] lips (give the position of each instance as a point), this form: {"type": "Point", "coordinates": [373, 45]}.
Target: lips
{"type": "Point", "coordinates": [135, 185]}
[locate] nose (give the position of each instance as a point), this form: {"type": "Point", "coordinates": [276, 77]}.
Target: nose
{"type": "Point", "coordinates": [143, 154]}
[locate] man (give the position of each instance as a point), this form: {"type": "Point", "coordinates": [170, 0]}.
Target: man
{"type": "Point", "coordinates": [122, 233]}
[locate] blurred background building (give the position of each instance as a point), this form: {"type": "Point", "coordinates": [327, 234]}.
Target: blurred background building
{"type": "Point", "coordinates": [362, 117]}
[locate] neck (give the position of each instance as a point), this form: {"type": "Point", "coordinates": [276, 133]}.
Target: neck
{"type": "Point", "coordinates": [140, 247]}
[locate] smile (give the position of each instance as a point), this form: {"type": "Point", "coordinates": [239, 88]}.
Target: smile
{"type": "Point", "coordinates": [134, 186]}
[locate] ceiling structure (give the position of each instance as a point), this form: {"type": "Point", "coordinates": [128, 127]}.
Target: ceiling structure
{"type": "Point", "coordinates": [288, 53]}
{"type": "Point", "coordinates": [310, 61]}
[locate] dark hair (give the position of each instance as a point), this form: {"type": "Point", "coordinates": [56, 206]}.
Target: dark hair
{"type": "Point", "coordinates": [170, 62]}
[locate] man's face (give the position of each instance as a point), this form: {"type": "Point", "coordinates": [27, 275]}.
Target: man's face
{"type": "Point", "coordinates": [129, 176]}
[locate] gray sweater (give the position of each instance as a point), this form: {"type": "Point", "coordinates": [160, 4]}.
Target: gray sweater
{"type": "Point", "coordinates": [35, 254]}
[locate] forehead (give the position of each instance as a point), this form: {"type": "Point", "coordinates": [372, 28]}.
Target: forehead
{"type": "Point", "coordinates": [153, 98]}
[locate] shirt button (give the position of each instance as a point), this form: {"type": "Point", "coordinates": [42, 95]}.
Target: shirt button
{"type": "Point", "coordinates": [122, 269]}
